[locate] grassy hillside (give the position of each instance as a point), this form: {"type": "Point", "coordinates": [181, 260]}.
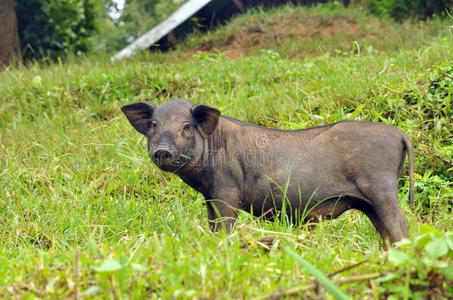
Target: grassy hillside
{"type": "Point", "coordinates": [296, 32]}
{"type": "Point", "coordinates": [84, 212]}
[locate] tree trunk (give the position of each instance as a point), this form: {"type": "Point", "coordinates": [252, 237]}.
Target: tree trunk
{"type": "Point", "coordinates": [9, 38]}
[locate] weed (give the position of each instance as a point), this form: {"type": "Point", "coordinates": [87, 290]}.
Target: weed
{"type": "Point", "coordinates": [423, 267]}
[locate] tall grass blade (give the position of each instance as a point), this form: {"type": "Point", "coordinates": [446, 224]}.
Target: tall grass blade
{"type": "Point", "coordinates": [323, 279]}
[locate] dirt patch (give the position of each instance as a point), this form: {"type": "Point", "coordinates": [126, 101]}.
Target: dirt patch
{"type": "Point", "coordinates": [233, 53]}
{"type": "Point", "coordinates": [334, 29]}
{"type": "Point", "coordinates": [254, 35]}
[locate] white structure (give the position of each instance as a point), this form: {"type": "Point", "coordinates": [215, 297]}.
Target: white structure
{"type": "Point", "coordinates": [180, 15]}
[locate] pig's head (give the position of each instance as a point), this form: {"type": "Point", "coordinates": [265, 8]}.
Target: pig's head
{"type": "Point", "coordinates": [175, 130]}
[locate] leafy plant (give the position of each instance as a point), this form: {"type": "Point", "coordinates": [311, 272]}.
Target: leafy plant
{"type": "Point", "coordinates": [422, 266]}
{"type": "Point", "coordinates": [432, 98]}
{"type": "Point", "coordinates": [428, 188]}
{"type": "Point", "coordinates": [403, 9]}
{"type": "Point", "coordinates": [55, 28]}
{"type": "Point", "coordinates": [440, 92]}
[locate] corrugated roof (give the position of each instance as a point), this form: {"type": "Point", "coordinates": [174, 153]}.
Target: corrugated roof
{"type": "Point", "coordinates": [178, 17]}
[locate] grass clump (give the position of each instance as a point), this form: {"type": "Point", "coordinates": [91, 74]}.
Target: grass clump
{"type": "Point", "coordinates": [84, 212]}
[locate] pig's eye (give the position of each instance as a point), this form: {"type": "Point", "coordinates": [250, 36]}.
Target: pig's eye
{"type": "Point", "coordinates": [186, 126]}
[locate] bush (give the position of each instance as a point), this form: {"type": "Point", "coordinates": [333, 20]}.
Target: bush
{"type": "Point", "coordinates": [417, 9]}
{"type": "Point", "coordinates": [422, 267]}
{"type": "Point", "coordinates": [54, 28]}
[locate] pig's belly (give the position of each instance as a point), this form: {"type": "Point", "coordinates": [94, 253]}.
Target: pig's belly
{"type": "Point", "coordinates": [301, 193]}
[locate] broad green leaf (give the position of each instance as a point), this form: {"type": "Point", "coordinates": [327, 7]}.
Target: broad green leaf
{"type": "Point", "coordinates": [437, 247]}
{"type": "Point", "coordinates": [428, 262]}
{"type": "Point", "coordinates": [398, 258]}
{"type": "Point", "coordinates": [109, 265]}
{"type": "Point", "coordinates": [404, 243]}
{"type": "Point", "coordinates": [422, 240]}
{"type": "Point", "coordinates": [426, 228]}
{"type": "Point", "coordinates": [449, 238]}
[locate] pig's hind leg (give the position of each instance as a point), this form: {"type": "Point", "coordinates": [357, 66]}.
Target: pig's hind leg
{"type": "Point", "coordinates": [333, 208]}
{"type": "Point", "coordinates": [384, 211]}
{"type": "Point", "coordinates": [368, 209]}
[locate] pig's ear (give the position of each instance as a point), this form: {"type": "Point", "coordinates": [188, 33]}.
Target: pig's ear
{"type": "Point", "coordinates": [139, 114]}
{"type": "Point", "coordinates": [206, 117]}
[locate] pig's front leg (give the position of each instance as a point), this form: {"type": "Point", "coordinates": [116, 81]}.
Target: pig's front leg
{"type": "Point", "coordinates": [222, 209]}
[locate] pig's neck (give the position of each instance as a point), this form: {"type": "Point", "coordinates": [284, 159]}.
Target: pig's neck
{"type": "Point", "coordinates": [218, 148]}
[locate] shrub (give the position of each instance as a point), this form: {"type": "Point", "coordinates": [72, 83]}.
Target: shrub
{"type": "Point", "coordinates": [54, 28]}
{"type": "Point", "coordinates": [422, 267]}
{"type": "Point", "coordinates": [417, 9]}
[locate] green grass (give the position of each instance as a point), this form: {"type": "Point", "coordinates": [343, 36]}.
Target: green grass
{"type": "Point", "coordinates": [83, 210]}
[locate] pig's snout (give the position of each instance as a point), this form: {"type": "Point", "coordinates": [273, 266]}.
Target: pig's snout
{"type": "Point", "coordinates": [161, 155]}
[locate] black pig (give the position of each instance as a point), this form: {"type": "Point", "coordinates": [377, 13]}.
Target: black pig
{"type": "Point", "coordinates": [321, 171]}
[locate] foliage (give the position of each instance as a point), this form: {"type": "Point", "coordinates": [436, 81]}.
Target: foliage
{"type": "Point", "coordinates": [428, 188]}
{"type": "Point", "coordinates": [423, 266]}
{"type": "Point", "coordinates": [434, 102]}
{"type": "Point", "coordinates": [54, 28]}
{"type": "Point", "coordinates": [440, 93]}
{"type": "Point", "coordinates": [83, 212]}
{"type": "Point", "coordinates": [417, 9]}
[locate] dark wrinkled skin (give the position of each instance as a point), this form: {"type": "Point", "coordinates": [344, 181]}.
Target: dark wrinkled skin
{"type": "Point", "coordinates": [235, 165]}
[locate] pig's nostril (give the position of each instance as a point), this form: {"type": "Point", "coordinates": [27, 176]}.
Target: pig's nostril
{"type": "Point", "coordinates": [162, 154]}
